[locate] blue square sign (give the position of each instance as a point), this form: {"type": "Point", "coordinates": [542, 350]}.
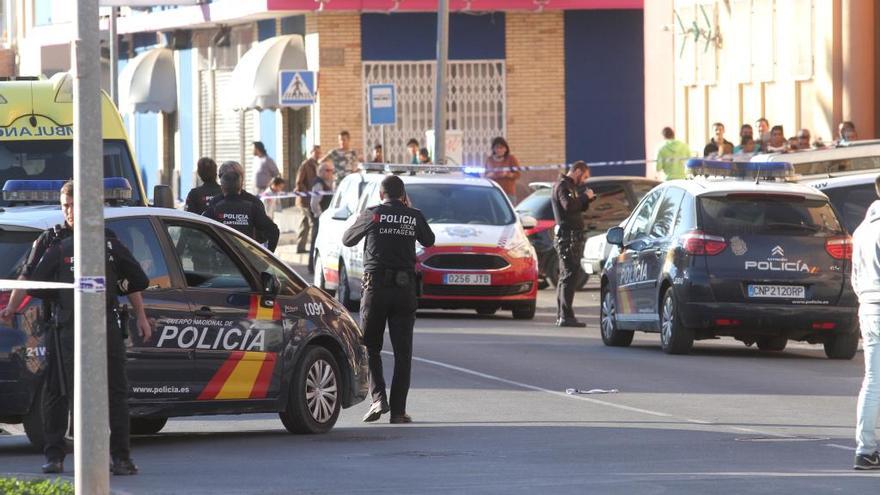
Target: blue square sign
{"type": "Point", "coordinates": [383, 104]}
{"type": "Point", "coordinates": [296, 88]}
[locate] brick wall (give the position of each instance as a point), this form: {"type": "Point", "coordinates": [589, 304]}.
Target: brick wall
{"type": "Point", "coordinates": [340, 81]}
{"type": "Point", "coordinates": [536, 89]}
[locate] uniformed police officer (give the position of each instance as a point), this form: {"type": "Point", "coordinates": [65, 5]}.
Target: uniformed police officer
{"type": "Point", "coordinates": [391, 230]}
{"type": "Point", "coordinates": [198, 198]}
{"type": "Point", "coordinates": [123, 276]}
{"type": "Point", "coordinates": [235, 210]}
{"type": "Point", "coordinates": [570, 199]}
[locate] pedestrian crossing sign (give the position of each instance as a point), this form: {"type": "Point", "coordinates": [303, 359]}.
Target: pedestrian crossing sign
{"type": "Point", "coordinates": [296, 88]}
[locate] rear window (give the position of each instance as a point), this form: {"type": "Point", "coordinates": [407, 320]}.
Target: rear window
{"type": "Point", "coordinates": [852, 203]}
{"type": "Point", "coordinates": [14, 246]}
{"type": "Point", "coordinates": [767, 215]}
{"type": "Point", "coordinates": [537, 205]}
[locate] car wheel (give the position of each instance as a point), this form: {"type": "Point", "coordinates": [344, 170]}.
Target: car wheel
{"type": "Point", "coordinates": [675, 338]}
{"type": "Point", "coordinates": [147, 426]}
{"type": "Point", "coordinates": [343, 290]}
{"type": "Point", "coordinates": [525, 312]}
{"type": "Point", "coordinates": [842, 345]}
{"type": "Point", "coordinates": [611, 336]}
{"type": "Point", "coordinates": [772, 343]}
{"type": "Point", "coordinates": [487, 311]}
{"type": "Point", "coordinates": [33, 421]}
{"type": "Point", "coordinates": [315, 393]}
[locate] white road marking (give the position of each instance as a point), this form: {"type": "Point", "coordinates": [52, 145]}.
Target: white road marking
{"type": "Point", "coordinates": [756, 474]}
{"type": "Point", "coordinates": [841, 447]}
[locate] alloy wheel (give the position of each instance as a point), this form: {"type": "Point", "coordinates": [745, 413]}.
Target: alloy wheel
{"type": "Point", "coordinates": [321, 391]}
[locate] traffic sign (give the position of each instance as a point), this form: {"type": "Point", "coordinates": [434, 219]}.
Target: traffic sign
{"type": "Point", "coordinates": [296, 88]}
{"type": "Point", "coordinates": [383, 104]}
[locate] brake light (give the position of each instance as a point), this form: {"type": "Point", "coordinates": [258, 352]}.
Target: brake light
{"type": "Point", "coordinates": [541, 226]}
{"type": "Point", "coordinates": [824, 325]}
{"type": "Point", "coordinates": [840, 248]}
{"type": "Point", "coordinates": [697, 242]}
{"type": "Point", "coordinates": [725, 322]}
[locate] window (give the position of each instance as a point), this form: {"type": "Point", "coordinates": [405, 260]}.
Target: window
{"type": "Point", "coordinates": [15, 246]}
{"type": "Point", "coordinates": [611, 203]}
{"type": "Point", "coordinates": [665, 217]}
{"type": "Point", "coordinates": [138, 236]}
{"type": "Point", "coordinates": [766, 214]}
{"type": "Point", "coordinates": [837, 166]}
{"type": "Point", "coordinates": [367, 197]}
{"type": "Point", "coordinates": [204, 262]}
{"type": "Point", "coordinates": [641, 219]}
{"type": "Point", "coordinates": [289, 285]}
{"type": "Point", "coordinates": [640, 189]}
{"type": "Point", "coordinates": [537, 205]}
{"type": "Point", "coordinates": [852, 203]}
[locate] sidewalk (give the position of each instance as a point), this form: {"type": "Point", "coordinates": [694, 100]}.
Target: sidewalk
{"type": "Point", "coordinates": [288, 221]}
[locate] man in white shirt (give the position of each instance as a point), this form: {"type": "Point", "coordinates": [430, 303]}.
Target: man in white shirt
{"type": "Point", "coordinates": [264, 166]}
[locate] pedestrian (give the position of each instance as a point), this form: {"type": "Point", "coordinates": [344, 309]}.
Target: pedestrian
{"type": "Point", "coordinates": [846, 132]}
{"type": "Point", "coordinates": [198, 198]}
{"type": "Point", "coordinates": [569, 204]}
{"type": "Point", "coordinates": [746, 150]}
{"type": "Point", "coordinates": [344, 158]}
{"type": "Point", "coordinates": [237, 212]}
{"type": "Point", "coordinates": [777, 142]}
{"type": "Point", "coordinates": [412, 147]}
{"type": "Point", "coordinates": [321, 195]}
{"type": "Point", "coordinates": [866, 284]}
{"type": "Point", "coordinates": [276, 188]}
{"type": "Point", "coordinates": [305, 178]}
{"type": "Point", "coordinates": [763, 127]}
{"type": "Point", "coordinates": [123, 276]}
{"type": "Point", "coordinates": [716, 146]}
{"type": "Point", "coordinates": [803, 138]}
{"type": "Point", "coordinates": [264, 168]}
{"type": "Point", "coordinates": [390, 291]}
{"type": "Point", "coordinates": [424, 157]}
{"type": "Point", "coordinates": [672, 155]}
{"type": "Point", "coordinates": [502, 167]}
{"type": "Point", "coordinates": [377, 156]}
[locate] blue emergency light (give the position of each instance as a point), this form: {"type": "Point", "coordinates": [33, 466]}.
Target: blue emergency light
{"type": "Point", "coordinates": [32, 191]}
{"type": "Point", "coordinates": [698, 167]}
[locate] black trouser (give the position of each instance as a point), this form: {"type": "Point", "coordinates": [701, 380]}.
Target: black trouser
{"type": "Point", "coordinates": [312, 247]}
{"type": "Point", "coordinates": [384, 302]}
{"type": "Point", "coordinates": [569, 246]}
{"type": "Point", "coordinates": [57, 399]}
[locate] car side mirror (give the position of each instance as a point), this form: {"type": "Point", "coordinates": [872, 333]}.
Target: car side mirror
{"type": "Point", "coordinates": [528, 221]}
{"type": "Point", "coordinates": [163, 197]}
{"type": "Point", "coordinates": [342, 214]}
{"type": "Point", "coordinates": [271, 285]}
{"type": "Point", "coordinates": [615, 236]}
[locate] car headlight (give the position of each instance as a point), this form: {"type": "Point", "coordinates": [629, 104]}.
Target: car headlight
{"type": "Point", "coordinates": [521, 249]}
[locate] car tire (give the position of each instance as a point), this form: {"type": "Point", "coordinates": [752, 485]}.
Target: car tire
{"type": "Point", "coordinates": [774, 344]}
{"type": "Point", "coordinates": [343, 290]}
{"type": "Point", "coordinates": [675, 338]}
{"type": "Point", "coordinates": [32, 422]}
{"type": "Point", "coordinates": [487, 311]}
{"type": "Point", "coordinates": [842, 345]}
{"type": "Point", "coordinates": [525, 312]}
{"type": "Point", "coordinates": [309, 411]}
{"type": "Point", "coordinates": [147, 426]}
{"type": "Point", "coordinates": [611, 335]}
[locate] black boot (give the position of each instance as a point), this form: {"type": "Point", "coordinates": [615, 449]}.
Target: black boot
{"type": "Point", "coordinates": [123, 467]}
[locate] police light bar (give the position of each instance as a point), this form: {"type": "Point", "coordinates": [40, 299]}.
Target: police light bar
{"type": "Point", "coordinates": [30, 191]}
{"type": "Point", "coordinates": [699, 167]}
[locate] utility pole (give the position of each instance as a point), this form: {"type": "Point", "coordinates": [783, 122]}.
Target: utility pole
{"type": "Point", "coordinates": [114, 56]}
{"type": "Point", "coordinates": [90, 424]}
{"type": "Point", "coordinates": [440, 85]}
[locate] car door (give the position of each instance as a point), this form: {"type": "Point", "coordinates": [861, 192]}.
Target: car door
{"type": "Point", "coordinates": [354, 256]}
{"type": "Point", "coordinates": [158, 368]}
{"type": "Point", "coordinates": [332, 225]}
{"type": "Point", "coordinates": [632, 284]}
{"type": "Point", "coordinates": [235, 330]}
{"type": "Point", "coordinates": [658, 250]}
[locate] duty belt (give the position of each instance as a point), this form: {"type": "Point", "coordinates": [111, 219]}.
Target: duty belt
{"type": "Point", "coordinates": [390, 278]}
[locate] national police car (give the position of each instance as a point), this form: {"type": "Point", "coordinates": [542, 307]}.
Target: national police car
{"type": "Point", "coordinates": [235, 330]}
{"type": "Point", "coordinates": [762, 261]}
{"type": "Point", "coordinates": [481, 260]}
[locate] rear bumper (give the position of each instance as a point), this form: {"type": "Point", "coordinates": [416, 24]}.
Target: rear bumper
{"type": "Point", "coordinates": [748, 319]}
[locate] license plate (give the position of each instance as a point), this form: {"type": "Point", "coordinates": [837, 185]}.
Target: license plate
{"type": "Point", "coordinates": [777, 291]}
{"type": "Point", "coordinates": [467, 279]}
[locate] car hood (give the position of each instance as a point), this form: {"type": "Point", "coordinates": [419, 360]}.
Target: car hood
{"type": "Point", "coordinates": [495, 236]}
{"type": "Point", "coordinates": [37, 217]}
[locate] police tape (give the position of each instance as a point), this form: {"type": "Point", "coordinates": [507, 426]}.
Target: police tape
{"type": "Point", "coordinates": [6, 284]}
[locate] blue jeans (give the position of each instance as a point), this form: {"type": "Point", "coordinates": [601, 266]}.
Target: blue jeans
{"type": "Point", "coordinates": [869, 397]}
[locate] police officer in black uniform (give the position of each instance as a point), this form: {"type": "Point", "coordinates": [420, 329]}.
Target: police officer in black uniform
{"type": "Point", "coordinates": [237, 211]}
{"type": "Point", "coordinates": [124, 276]}
{"type": "Point", "coordinates": [198, 198]}
{"type": "Point", "coordinates": [390, 283]}
{"type": "Point", "coordinates": [570, 199]}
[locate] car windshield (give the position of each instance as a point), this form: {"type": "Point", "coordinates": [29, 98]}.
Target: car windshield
{"type": "Point", "coordinates": [53, 160]}
{"type": "Point", "coordinates": [455, 203]}
{"type": "Point", "coordinates": [767, 215]}
{"type": "Point", "coordinates": [14, 246]}
{"type": "Point", "coordinates": [537, 205]}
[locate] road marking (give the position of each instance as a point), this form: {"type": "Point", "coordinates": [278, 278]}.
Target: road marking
{"type": "Point", "coordinates": [773, 474]}
{"type": "Point", "coordinates": [841, 447]}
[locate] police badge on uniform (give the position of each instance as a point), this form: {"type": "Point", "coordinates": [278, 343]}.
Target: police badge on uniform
{"type": "Point", "coordinates": [738, 246]}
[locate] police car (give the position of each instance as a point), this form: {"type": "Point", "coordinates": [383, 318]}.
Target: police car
{"type": "Point", "coordinates": [481, 260]}
{"type": "Point", "coordinates": [758, 260]}
{"type": "Point", "coordinates": [851, 196]}
{"type": "Point", "coordinates": [235, 329]}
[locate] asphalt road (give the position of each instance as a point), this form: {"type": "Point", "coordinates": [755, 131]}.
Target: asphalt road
{"type": "Point", "coordinates": [492, 416]}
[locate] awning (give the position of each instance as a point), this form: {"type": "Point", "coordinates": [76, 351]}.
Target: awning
{"type": "Point", "coordinates": [148, 83]}
{"type": "Point", "coordinates": [255, 78]}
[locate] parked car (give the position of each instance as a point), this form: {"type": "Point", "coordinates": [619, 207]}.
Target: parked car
{"type": "Point", "coordinates": [615, 198]}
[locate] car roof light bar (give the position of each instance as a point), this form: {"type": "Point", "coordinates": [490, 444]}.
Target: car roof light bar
{"type": "Point", "coordinates": [699, 167]}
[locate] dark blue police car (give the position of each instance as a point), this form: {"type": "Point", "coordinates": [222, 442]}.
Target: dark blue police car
{"type": "Point", "coordinates": [763, 261]}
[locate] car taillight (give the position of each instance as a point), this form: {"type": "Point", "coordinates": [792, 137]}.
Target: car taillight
{"type": "Point", "coordinates": [824, 325]}
{"type": "Point", "coordinates": [541, 226]}
{"type": "Point", "coordinates": [840, 248]}
{"type": "Point", "coordinates": [697, 242]}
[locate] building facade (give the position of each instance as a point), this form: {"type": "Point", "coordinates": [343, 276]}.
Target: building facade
{"type": "Point", "coordinates": [538, 72]}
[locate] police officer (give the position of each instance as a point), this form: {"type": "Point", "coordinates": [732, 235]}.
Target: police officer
{"type": "Point", "coordinates": [237, 211]}
{"type": "Point", "coordinates": [198, 198]}
{"type": "Point", "coordinates": [123, 276]}
{"type": "Point", "coordinates": [391, 230]}
{"type": "Point", "coordinates": [38, 249]}
{"type": "Point", "coordinates": [570, 199]}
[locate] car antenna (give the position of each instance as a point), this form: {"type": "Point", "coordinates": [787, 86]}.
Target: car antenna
{"type": "Point", "coordinates": [758, 176]}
